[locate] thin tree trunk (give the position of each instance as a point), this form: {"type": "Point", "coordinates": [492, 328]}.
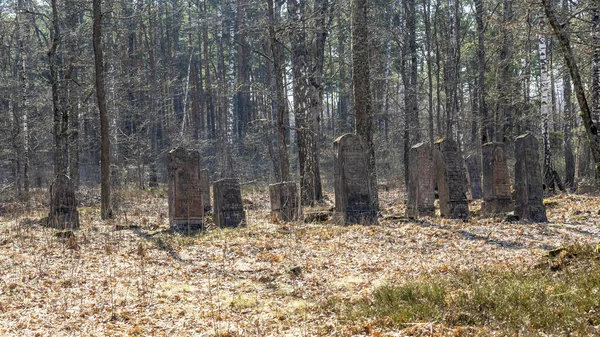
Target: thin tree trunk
{"type": "Point", "coordinates": [106, 211]}
{"type": "Point", "coordinates": [586, 115]}
{"type": "Point", "coordinates": [302, 101]}
{"type": "Point", "coordinates": [277, 54]}
{"type": "Point", "coordinates": [568, 121]}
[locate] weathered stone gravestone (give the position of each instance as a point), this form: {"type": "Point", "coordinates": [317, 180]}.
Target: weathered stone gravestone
{"type": "Point", "coordinates": [529, 193]}
{"type": "Point", "coordinates": [63, 205]}
{"type": "Point", "coordinates": [284, 201]}
{"type": "Point", "coordinates": [450, 180]}
{"type": "Point", "coordinates": [353, 191]}
{"type": "Point", "coordinates": [421, 187]}
{"type": "Point", "coordinates": [186, 207]}
{"type": "Point", "coordinates": [228, 207]}
{"type": "Point", "coordinates": [205, 183]}
{"type": "Point", "coordinates": [474, 175]}
{"type": "Point", "coordinates": [496, 180]}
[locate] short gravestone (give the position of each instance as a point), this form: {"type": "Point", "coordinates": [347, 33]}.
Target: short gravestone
{"type": "Point", "coordinates": [421, 187]}
{"type": "Point", "coordinates": [284, 201]}
{"type": "Point", "coordinates": [186, 207]}
{"type": "Point", "coordinates": [496, 180]}
{"type": "Point", "coordinates": [353, 191]}
{"type": "Point", "coordinates": [450, 180]}
{"type": "Point", "coordinates": [205, 183]}
{"type": "Point", "coordinates": [474, 176]}
{"type": "Point", "coordinates": [63, 204]}
{"type": "Point", "coordinates": [529, 193]}
{"type": "Point", "coordinates": [228, 207]}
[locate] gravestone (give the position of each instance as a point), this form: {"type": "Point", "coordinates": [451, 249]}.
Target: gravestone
{"type": "Point", "coordinates": [228, 207]}
{"type": "Point", "coordinates": [529, 193]}
{"type": "Point", "coordinates": [186, 208]}
{"type": "Point", "coordinates": [450, 180]}
{"type": "Point", "coordinates": [496, 180]}
{"type": "Point", "coordinates": [205, 183]}
{"type": "Point", "coordinates": [284, 201]}
{"type": "Point", "coordinates": [353, 191]}
{"type": "Point", "coordinates": [421, 187]}
{"type": "Point", "coordinates": [474, 175]}
{"type": "Point", "coordinates": [63, 204]}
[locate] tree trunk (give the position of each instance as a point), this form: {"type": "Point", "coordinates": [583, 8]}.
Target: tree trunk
{"type": "Point", "coordinates": [277, 55]}
{"type": "Point", "coordinates": [361, 88]}
{"type": "Point", "coordinates": [322, 13]}
{"type": "Point", "coordinates": [296, 11]}
{"type": "Point", "coordinates": [428, 37]}
{"type": "Point", "coordinates": [586, 115]}
{"type": "Point", "coordinates": [106, 211]}
{"type": "Point", "coordinates": [568, 122]}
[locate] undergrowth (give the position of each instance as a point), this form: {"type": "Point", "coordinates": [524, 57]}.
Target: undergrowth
{"type": "Point", "coordinates": [560, 296]}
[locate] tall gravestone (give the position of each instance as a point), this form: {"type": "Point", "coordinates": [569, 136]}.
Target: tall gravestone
{"type": "Point", "coordinates": [450, 180]}
{"type": "Point", "coordinates": [421, 187]}
{"type": "Point", "coordinates": [496, 180]}
{"type": "Point", "coordinates": [63, 204]}
{"type": "Point", "coordinates": [205, 183]}
{"type": "Point", "coordinates": [474, 175]}
{"type": "Point", "coordinates": [284, 201]}
{"type": "Point", "coordinates": [228, 207]}
{"type": "Point", "coordinates": [186, 208]}
{"type": "Point", "coordinates": [529, 193]}
{"type": "Point", "coordinates": [353, 191]}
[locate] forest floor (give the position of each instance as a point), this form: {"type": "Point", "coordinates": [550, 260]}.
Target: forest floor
{"type": "Point", "coordinates": [130, 276]}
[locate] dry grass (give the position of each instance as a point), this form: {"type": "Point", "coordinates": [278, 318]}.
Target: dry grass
{"type": "Point", "coordinates": [130, 277]}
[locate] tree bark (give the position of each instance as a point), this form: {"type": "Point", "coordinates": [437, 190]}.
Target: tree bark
{"type": "Point", "coordinates": [586, 115]}
{"type": "Point", "coordinates": [106, 211]}
{"type": "Point", "coordinates": [361, 88]}
{"type": "Point", "coordinates": [277, 55]}
{"type": "Point", "coordinates": [302, 101]}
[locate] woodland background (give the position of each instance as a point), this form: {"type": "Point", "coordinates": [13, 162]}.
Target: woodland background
{"type": "Point", "coordinates": [206, 74]}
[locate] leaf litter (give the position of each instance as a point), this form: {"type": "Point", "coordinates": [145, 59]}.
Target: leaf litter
{"type": "Point", "coordinates": [130, 276]}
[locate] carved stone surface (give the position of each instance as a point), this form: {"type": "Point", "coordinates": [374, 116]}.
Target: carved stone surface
{"type": "Point", "coordinates": [353, 191]}
{"type": "Point", "coordinates": [496, 180]}
{"type": "Point", "coordinates": [450, 180]}
{"type": "Point", "coordinates": [63, 204]}
{"type": "Point", "coordinates": [228, 207]}
{"type": "Point", "coordinates": [185, 189]}
{"type": "Point", "coordinates": [474, 175]}
{"type": "Point", "coordinates": [284, 201]}
{"type": "Point", "coordinates": [420, 182]}
{"type": "Point", "coordinates": [205, 183]}
{"type": "Point", "coordinates": [529, 193]}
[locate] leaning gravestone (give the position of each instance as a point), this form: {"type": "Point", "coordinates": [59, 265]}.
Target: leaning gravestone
{"type": "Point", "coordinates": [205, 183]}
{"type": "Point", "coordinates": [450, 180]}
{"type": "Point", "coordinates": [228, 207]}
{"type": "Point", "coordinates": [63, 205]}
{"type": "Point", "coordinates": [284, 201]}
{"type": "Point", "coordinates": [496, 181]}
{"type": "Point", "coordinates": [420, 182]}
{"type": "Point", "coordinates": [186, 209]}
{"type": "Point", "coordinates": [353, 191]}
{"type": "Point", "coordinates": [474, 175]}
{"type": "Point", "coordinates": [529, 193]}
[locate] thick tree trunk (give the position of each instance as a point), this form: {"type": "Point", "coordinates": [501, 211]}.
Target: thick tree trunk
{"type": "Point", "coordinates": [60, 153]}
{"type": "Point", "coordinates": [361, 88]}
{"type": "Point", "coordinates": [322, 19]}
{"type": "Point", "coordinates": [106, 211]}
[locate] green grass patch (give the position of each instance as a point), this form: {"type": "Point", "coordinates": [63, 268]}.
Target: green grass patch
{"type": "Point", "coordinates": [560, 296]}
